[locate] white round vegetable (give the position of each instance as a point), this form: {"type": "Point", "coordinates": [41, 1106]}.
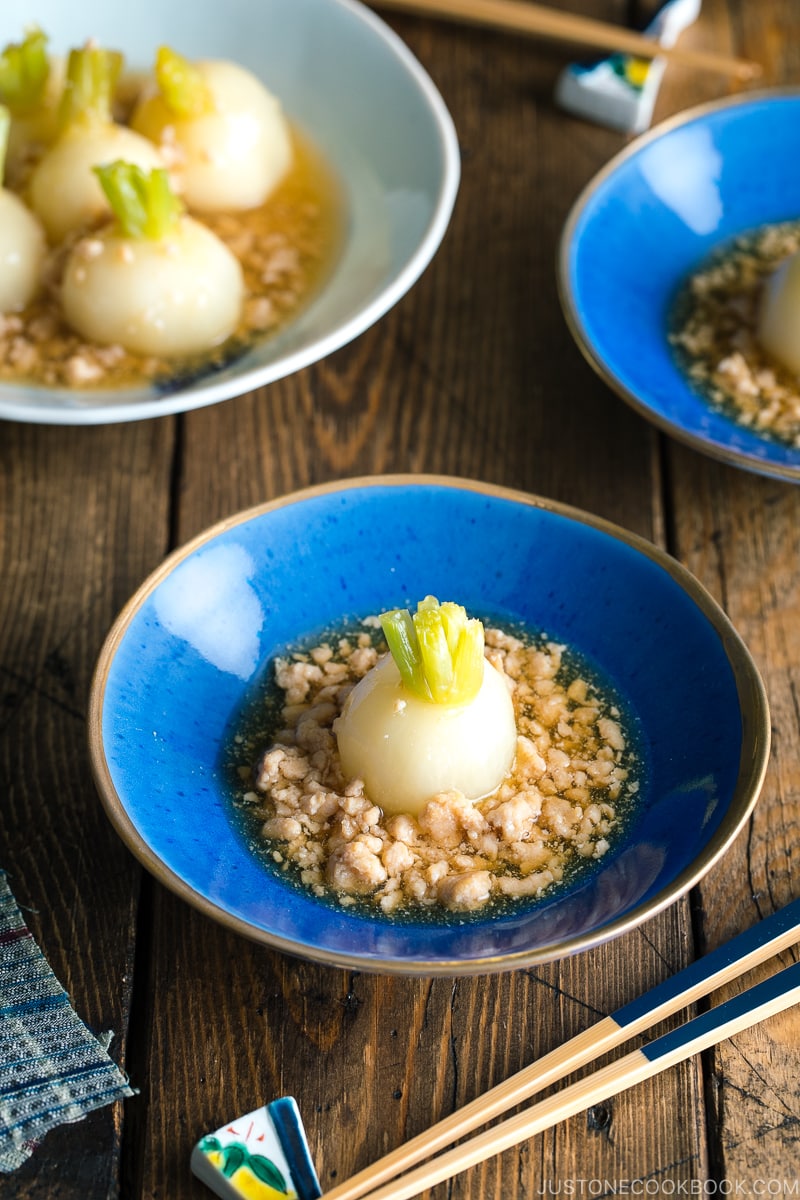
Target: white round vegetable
{"type": "Point", "coordinates": [22, 253]}
{"type": "Point", "coordinates": [779, 318]}
{"type": "Point", "coordinates": [231, 157]}
{"type": "Point", "coordinates": [64, 191]}
{"type": "Point", "coordinates": [407, 749]}
{"type": "Point", "coordinates": [179, 295]}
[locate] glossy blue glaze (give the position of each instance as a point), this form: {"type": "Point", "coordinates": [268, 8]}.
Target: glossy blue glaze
{"type": "Point", "coordinates": [291, 1133]}
{"type": "Point", "coordinates": [648, 220]}
{"type": "Point", "coordinates": [198, 635]}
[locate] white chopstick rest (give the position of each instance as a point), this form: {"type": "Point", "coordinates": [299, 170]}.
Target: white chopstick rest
{"type": "Point", "coordinates": [263, 1155]}
{"type": "Point", "coordinates": [620, 91]}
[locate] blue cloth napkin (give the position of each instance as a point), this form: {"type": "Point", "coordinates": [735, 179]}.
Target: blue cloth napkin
{"type": "Point", "coordinates": [52, 1068]}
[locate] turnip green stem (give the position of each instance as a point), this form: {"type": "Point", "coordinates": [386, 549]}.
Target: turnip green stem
{"type": "Point", "coordinates": [437, 663]}
{"type": "Point", "coordinates": [185, 92]}
{"type": "Point", "coordinates": [24, 70]}
{"type": "Point", "coordinates": [142, 202]}
{"type": "Point", "coordinates": [401, 638]}
{"type": "Point", "coordinates": [92, 75]}
{"type": "Point", "coordinates": [438, 651]}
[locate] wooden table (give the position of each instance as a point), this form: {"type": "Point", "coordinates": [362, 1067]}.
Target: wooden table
{"type": "Point", "coordinates": [472, 374]}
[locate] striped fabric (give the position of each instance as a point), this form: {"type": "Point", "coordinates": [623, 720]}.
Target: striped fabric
{"type": "Point", "coordinates": [52, 1069]}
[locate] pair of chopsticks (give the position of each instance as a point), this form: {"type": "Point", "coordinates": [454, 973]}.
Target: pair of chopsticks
{"type": "Point", "coordinates": [383, 1181]}
{"type": "Point", "coordinates": [519, 16]}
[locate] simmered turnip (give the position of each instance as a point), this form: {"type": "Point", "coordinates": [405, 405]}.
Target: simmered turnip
{"type": "Point", "coordinates": [432, 716]}
{"type": "Point", "coordinates": [222, 133]}
{"type": "Point", "coordinates": [779, 317]}
{"type": "Point", "coordinates": [64, 191]}
{"type": "Point", "coordinates": [155, 281]}
{"type": "Point", "coordinates": [22, 242]}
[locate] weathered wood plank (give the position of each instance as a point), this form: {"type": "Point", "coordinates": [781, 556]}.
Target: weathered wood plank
{"type": "Point", "coordinates": [741, 539]}
{"type": "Point", "coordinates": [83, 517]}
{"type": "Point", "coordinates": [473, 374]}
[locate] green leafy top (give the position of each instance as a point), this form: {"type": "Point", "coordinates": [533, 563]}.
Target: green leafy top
{"type": "Point", "coordinates": [24, 71]}
{"type": "Point", "coordinates": [143, 202]}
{"type": "Point", "coordinates": [438, 651]}
{"type": "Point", "coordinates": [185, 92]}
{"type": "Point", "coordinates": [92, 75]}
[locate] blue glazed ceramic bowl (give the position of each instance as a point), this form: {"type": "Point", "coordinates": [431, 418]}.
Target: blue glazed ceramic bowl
{"type": "Point", "coordinates": [356, 91]}
{"type": "Point", "coordinates": [644, 223]}
{"type": "Point", "coordinates": [198, 637]}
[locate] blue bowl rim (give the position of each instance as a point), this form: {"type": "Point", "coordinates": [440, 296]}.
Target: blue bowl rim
{"type": "Point", "coordinates": [725, 454]}
{"type": "Point", "coordinates": [754, 755]}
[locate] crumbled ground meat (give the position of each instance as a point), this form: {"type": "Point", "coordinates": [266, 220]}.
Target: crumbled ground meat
{"type": "Point", "coordinates": [285, 247]}
{"type": "Point", "coordinates": [716, 316]}
{"type": "Point", "coordinates": [558, 804]}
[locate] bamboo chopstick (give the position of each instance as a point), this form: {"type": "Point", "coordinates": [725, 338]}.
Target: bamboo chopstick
{"type": "Point", "coordinates": [721, 966]}
{"type": "Point", "coordinates": [537, 20]}
{"type": "Point", "coordinates": [755, 1004]}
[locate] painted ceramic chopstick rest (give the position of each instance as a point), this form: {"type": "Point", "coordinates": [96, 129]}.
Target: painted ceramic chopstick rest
{"type": "Point", "coordinates": [263, 1155]}
{"type": "Point", "coordinates": [620, 91]}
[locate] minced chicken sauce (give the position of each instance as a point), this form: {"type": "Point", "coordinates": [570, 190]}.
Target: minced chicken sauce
{"type": "Point", "coordinates": [713, 330]}
{"type": "Point", "coordinates": [570, 784]}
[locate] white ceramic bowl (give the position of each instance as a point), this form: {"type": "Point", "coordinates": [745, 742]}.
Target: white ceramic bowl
{"type": "Point", "coordinates": [353, 86]}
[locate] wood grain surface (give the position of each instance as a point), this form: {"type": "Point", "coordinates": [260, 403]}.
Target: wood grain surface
{"type": "Point", "coordinates": [472, 374]}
